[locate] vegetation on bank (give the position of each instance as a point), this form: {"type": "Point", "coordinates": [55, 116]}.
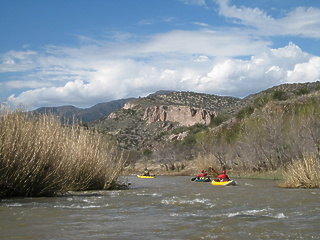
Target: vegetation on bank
{"type": "Point", "coordinates": [275, 138]}
{"type": "Point", "coordinates": [41, 157]}
{"type": "Point", "coordinates": [302, 173]}
{"type": "Point", "coordinates": [269, 138]}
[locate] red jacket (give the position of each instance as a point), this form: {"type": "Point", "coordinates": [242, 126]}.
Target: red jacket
{"type": "Point", "coordinates": [223, 177]}
{"type": "Point", "coordinates": [202, 175]}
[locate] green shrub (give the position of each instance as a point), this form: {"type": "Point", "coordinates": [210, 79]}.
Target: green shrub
{"type": "Point", "coordinates": [147, 152]}
{"type": "Point", "coordinates": [160, 135]}
{"type": "Point", "coordinates": [216, 121]}
{"type": "Point", "coordinates": [179, 130]}
{"type": "Point", "coordinates": [279, 95]}
{"type": "Point", "coordinates": [302, 91]}
{"type": "Point", "coordinates": [261, 101]}
{"type": "Point", "coordinates": [189, 140]}
{"type": "Point", "coordinates": [244, 112]}
{"type": "Point", "coordinates": [198, 127]}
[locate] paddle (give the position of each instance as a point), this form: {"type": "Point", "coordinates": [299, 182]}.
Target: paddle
{"type": "Point", "coordinates": [215, 173]}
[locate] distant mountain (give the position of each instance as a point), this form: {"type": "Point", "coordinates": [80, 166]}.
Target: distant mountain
{"type": "Point", "coordinates": [84, 115]}
{"type": "Point", "coordinates": [70, 113]}
{"type": "Point", "coordinates": [161, 92]}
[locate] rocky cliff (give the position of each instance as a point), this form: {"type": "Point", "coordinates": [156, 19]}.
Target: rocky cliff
{"type": "Point", "coordinates": [184, 115]}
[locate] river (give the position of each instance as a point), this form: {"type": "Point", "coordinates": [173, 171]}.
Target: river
{"type": "Point", "coordinates": [167, 207]}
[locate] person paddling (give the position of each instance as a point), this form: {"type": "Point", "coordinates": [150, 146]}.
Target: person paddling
{"type": "Point", "coordinates": [223, 177]}
{"type": "Point", "coordinates": [146, 172]}
{"type": "Point", "coordinates": [202, 174]}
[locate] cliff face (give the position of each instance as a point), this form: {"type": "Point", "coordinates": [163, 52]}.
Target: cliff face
{"type": "Point", "coordinates": [184, 115]}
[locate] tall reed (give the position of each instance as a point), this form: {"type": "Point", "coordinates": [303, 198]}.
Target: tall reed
{"type": "Point", "coordinates": [41, 157]}
{"type": "Point", "coordinates": [304, 173]}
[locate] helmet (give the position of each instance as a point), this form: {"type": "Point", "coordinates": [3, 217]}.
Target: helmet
{"type": "Point", "coordinates": [202, 170]}
{"type": "Point", "coordinates": [223, 171]}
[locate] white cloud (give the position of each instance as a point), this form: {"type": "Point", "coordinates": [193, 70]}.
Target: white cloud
{"type": "Point", "coordinates": [305, 72]}
{"type": "Point", "coordinates": [276, 66]}
{"type": "Point", "coordinates": [109, 79]}
{"type": "Point", "coordinates": [301, 21]}
{"type": "Point", "coordinates": [194, 2]}
{"type": "Point", "coordinates": [14, 61]}
{"type": "Point", "coordinates": [213, 43]}
{"type": "Point", "coordinates": [201, 24]}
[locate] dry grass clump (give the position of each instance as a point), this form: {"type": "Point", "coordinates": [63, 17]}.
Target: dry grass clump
{"type": "Point", "coordinates": [304, 173]}
{"type": "Point", "coordinates": [41, 157]}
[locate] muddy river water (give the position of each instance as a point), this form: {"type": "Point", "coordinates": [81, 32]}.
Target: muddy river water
{"type": "Point", "coordinates": [168, 207]}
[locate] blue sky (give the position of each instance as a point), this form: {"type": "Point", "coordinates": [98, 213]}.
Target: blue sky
{"type": "Point", "coordinates": [83, 52]}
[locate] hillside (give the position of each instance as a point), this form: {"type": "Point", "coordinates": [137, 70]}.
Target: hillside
{"type": "Point", "coordinates": [84, 115]}
{"type": "Point", "coordinates": [140, 122]}
{"type": "Point", "coordinates": [143, 122]}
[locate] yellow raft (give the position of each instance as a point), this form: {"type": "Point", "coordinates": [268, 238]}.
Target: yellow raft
{"type": "Point", "coordinates": [142, 176]}
{"type": "Point", "coordinates": [227, 183]}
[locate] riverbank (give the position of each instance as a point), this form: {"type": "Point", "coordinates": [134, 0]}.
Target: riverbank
{"type": "Point", "coordinates": [192, 170]}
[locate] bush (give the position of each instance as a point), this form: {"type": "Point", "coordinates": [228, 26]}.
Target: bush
{"type": "Point", "coordinates": [216, 121]}
{"type": "Point", "coordinates": [302, 91]}
{"type": "Point", "coordinates": [244, 112]}
{"type": "Point", "coordinates": [198, 127]}
{"type": "Point", "coordinates": [279, 95]}
{"type": "Point", "coordinates": [303, 173]}
{"type": "Point", "coordinates": [41, 157]}
{"type": "Point", "coordinates": [179, 130]}
{"type": "Point", "coordinates": [261, 101]}
{"type": "Point", "coordinates": [189, 140]}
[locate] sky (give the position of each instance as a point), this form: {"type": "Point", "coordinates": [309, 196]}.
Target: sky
{"type": "Point", "coordinates": [84, 52]}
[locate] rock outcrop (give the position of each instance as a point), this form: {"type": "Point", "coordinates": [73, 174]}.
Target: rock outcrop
{"type": "Point", "coordinates": [129, 105]}
{"type": "Point", "coordinates": [186, 116]}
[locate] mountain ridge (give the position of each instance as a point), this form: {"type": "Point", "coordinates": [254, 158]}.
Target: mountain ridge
{"type": "Point", "coordinates": [69, 113]}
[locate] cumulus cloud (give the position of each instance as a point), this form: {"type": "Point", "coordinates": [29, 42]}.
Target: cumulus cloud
{"type": "Point", "coordinates": [105, 80]}
{"type": "Point", "coordinates": [276, 66]}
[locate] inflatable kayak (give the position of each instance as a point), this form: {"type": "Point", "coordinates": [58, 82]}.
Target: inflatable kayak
{"type": "Point", "coordinates": [142, 176]}
{"type": "Point", "coordinates": [227, 183]}
{"type": "Point", "coordinates": [202, 179]}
